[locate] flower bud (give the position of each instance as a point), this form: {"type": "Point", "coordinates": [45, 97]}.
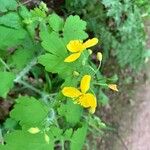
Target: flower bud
{"type": "Point", "coordinates": [99, 56]}
{"type": "Point", "coordinates": [75, 73]}
{"type": "Point", "coordinates": [34, 130]}
{"type": "Point", "coordinates": [90, 51]}
{"type": "Point", "coordinates": [43, 6]}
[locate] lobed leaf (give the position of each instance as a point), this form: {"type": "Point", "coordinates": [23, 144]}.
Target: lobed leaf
{"type": "Point", "coordinates": [6, 83]}
{"type": "Point", "coordinates": [29, 111]}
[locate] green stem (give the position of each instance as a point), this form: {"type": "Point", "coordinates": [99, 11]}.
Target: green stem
{"type": "Point", "coordinates": [62, 145]}
{"type": "Point", "coordinates": [98, 68]}
{"type": "Point", "coordinates": [1, 137]}
{"type": "Point", "coordinates": [100, 84]}
{"type": "Point", "coordinates": [26, 70]}
{"type": "Point", "coordinates": [5, 65]}
{"type": "Point", "coordinates": [45, 96]}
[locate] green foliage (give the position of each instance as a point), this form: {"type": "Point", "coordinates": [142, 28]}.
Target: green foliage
{"type": "Point", "coordinates": [33, 47]}
{"type": "Point", "coordinates": [119, 25]}
{"type": "Point", "coordinates": [26, 108]}
{"type": "Point", "coordinates": [6, 80]}
{"type": "Point", "coordinates": [11, 20]}
{"type": "Point", "coordinates": [56, 23]}
{"type": "Point", "coordinates": [12, 37]}
{"type": "Point", "coordinates": [21, 57]}
{"type": "Point", "coordinates": [7, 5]}
{"type": "Point", "coordinates": [54, 60]}
{"type": "Point", "coordinates": [74, 29]}
{"type": "Point", "coordinates": [144, 6]}
{"type": "Point", "coordinates": [26, 140]}
{"type": "Point", "coordinates": [68, 110]}
{"type": "Point", "coordinates": [78, 138]}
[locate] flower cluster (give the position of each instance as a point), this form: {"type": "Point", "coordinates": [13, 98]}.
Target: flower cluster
{"type": "Point", "coordinates": [82, 95]}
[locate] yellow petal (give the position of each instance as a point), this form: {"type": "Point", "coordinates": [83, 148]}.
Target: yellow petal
{"type": "Point", "coordinates": [113, 87]}
{"type": "Point", "coordinates": [88, 100]}
{"type": "Point", "coordinates": [71, 92]}
{"type": "Point", "coordinates": [85, 83]}
{"type": "Point", "coordinates": [34, 130]}
{"type": "Point", "coordinates": [90, 42]}
{"type": "Point", "coordinates": [72, 57]}
{"type": "Point", "coordinates": [75, 46]}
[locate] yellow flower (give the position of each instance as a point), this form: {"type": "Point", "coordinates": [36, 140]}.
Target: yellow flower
{"type": "Point", "coordinates": [81, 96]}
{"type": "Point", "coordinates": [77, 47]}
{"type": "Point", "coordinates": [113, 87]}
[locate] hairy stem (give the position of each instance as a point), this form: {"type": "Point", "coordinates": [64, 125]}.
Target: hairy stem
{"type": "Point", "coordinates": [26, 70]}
{"type": "Point", "coordinates": [5, 65]}
{"type": "Point", "coordinates": [1, 137]}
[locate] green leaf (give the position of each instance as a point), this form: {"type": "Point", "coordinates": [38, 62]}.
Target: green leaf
{"type": "Point", "coordinates": [55, 64]}
{"type": "Point", "coordinates": [68, 133]}
{"type": "Point", "coordinates": [72, 112]}
{"type": "Point", "coordinates": [21, 57]}
{"type": "Point", "coordinates": [12, 37]}
{"type": "Point", "coordinates": [29, 111]}
{"type": "Point", "coordinates": [10, 124]}
{"type": "Point", "coordinates": [54, 60]}
{"type": "Point", "coordinates": [23, 140]}
{"type": "Point", "coordinates": [6, 5]}
{"type": "Point", "coordinates": [11, 20]}
{"type": "Point", "coordinates": [74, 29]}
{"type": "Point", "coordinates": [50, 43]}
{"type": "Point", "coordinates": [55, 132]}
{"type": "Point", "coordinates": [6, 83]}
{"type": "Point", "coordinates": [55, 22]}
{"type": "Point", "coordinates": [78, 138]}
{"type": "Point", "coordinates": [146, 54]}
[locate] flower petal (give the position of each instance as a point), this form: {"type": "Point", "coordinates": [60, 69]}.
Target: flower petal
{"type": "Point", "coordinates": [90, 42]}
{"type": "Point", "coordinates": [71, 92]}
{"type": "Point", "coordinates": [88, 101]}
{"type": "Point", "coordinates": [72, 57]}
{"type": "Point", "coordinates": [75, 46]}
{"type": "Point", "coordinates": [113, 87]}
{"type": "Point", "coordinates": [85, 83]}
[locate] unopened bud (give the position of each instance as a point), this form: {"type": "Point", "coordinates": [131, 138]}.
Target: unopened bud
{"type": "Point", "coordinates": [75, 73]}
{"type": "Point", "coordinates": [99, 56]}
{"type": "Point", "coordinates": [34, 130]}
{"type": "Point", "coordinates": [43, 6]}
{"type": "Point", "coordinates": [90, 51]}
